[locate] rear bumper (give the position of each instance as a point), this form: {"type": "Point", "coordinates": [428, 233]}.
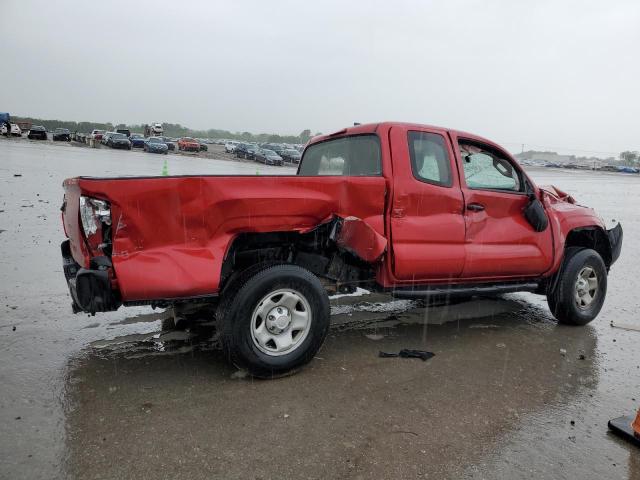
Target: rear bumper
{"type": "Point", "coordinates": [615, 242]}
{"type": "Point", "coordinates": [90, 288]}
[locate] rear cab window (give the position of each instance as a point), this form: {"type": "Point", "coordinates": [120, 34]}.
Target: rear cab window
{"type": "Point", "coordinates": [352, 156]}
{"type": "Point", "coordinates": [430, 162]}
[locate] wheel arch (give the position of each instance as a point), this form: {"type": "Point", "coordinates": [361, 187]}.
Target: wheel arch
{"type": "Point", "coordinates": [321, 251]}
{"type": "Point", "coordinates": [592, 237]}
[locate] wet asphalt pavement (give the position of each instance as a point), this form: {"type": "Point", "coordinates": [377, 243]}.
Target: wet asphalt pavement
{"type": "Point", "coordinates": [509, 394]}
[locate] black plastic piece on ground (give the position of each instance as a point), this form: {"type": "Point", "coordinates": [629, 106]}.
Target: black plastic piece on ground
{"type": "Point", "coordinates": [622, 426]}
{"type": "Point", "coordinates": [407, 353]}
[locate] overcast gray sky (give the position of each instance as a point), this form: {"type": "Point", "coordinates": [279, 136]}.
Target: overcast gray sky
{"type": "Point", "coordinates": [562, 74]}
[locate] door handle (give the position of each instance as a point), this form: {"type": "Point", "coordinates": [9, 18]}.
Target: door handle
{"type": "Point", "coordinates": [475, 207]}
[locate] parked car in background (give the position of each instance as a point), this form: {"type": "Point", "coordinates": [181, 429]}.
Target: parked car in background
{"type": "Point", "coordinates": [291, 155]}
{"type": "Point", "coordinates": [230, 147]}
{"type": "Point", "coordinates": [155, 145]}
{"type": "Point", "coordinates": [268, 157]}
{"type": "Point", "coordinates": [118, 140]}
{"type": "Point", "coordinates": [61, 135]}
{"type": "Point", "coordinates": [97, 134]}
{"type": "Point", "coordinates": [274, 146]}
{"type": "Point", "coordinates": [105, 137]}
{"type": "Point", "coordinates": [37, 132]}
{"type": "Point", "coordinates": [203, 146]}
{"type": "Point", "coordinates": [188, 144]}
{"type": "Point", "coordinates": [246, 150]}
{"type": "Point", "coordinates": [170, 143]}
{"type": "Point", "coordinates": [15, 130]}
{"type": "Point", "coordinates": [5, 121]}
{"type": "Point", "coordinates": [137, 140]}
{"type": "Point", "coordinates": [153, 130]}
{"type": "Point", "coordinates": [125, 131]}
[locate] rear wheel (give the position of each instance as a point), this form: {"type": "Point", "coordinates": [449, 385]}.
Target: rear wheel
{"type": "Point", "coordinates": [580, 288]}
{"type": "Point", "coordinates": [276, 322]}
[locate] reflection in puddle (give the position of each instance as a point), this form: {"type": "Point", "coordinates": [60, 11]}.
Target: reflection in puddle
{"type": "Point", "coordinates": [137, 396]}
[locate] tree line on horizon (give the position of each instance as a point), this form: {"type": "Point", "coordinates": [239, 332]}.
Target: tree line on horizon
{"type": "Point", "coordinates": [171, 130]}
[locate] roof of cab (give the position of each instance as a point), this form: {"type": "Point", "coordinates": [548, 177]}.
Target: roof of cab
{"type": "Point", "coordinates": [376, 127]}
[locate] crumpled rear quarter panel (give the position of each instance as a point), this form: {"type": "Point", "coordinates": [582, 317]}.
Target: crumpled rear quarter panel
{"type": "Point", "coordinates": [170, 234]}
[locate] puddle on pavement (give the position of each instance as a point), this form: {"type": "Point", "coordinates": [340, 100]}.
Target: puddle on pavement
{"type": "Point", "coordinates": [139, 396]}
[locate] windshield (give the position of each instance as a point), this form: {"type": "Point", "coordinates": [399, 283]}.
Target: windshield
{"type": "Point", "coordinates": [346, 156]}
{"type": "Point", "coordinates": [118, 136]}
{"type": "Point", "coordinates": [155, 140]}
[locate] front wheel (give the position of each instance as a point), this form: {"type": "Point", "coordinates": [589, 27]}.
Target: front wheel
{"type": "Point", "coordinates": [580, 289]}
{"type": "Point", "coordinates": [276, 322]}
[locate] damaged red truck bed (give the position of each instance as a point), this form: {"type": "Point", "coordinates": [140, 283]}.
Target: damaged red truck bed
{"type": "Point", "coordinates": [411, 209]}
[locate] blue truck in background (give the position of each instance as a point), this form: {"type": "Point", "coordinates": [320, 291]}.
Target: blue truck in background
{"type": "Point", "coordinates": [5, 119]}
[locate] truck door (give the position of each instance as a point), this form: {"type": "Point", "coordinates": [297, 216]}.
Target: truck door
{"type": "Point", "coordinates": [499, 240]}
{"type": "Point", "coordinates": [427, 224]}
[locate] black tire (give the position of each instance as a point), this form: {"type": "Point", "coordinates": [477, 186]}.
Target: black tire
{"type": "Point", "coordinates": [235, 318]}
{"type": "Point", "coordinates": [562, 299]}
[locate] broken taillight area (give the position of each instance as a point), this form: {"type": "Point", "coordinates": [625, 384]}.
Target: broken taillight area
{"type": "Point", "coordinates": [95, 216]}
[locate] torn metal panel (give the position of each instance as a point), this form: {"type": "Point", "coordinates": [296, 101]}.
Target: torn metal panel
{"type": "Point", "coordinates": [558, 194]}
{"type": "Point", "coordinates": [358, 238]}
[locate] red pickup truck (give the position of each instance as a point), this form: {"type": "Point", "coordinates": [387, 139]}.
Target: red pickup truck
{"type": "Point", "coordinates": [413, 210]}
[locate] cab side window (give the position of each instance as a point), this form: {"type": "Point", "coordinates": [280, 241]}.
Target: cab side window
{"type": "Point", "coordinates": [488, 170]}
{"type": "Point", "coordinates": [429, 158]}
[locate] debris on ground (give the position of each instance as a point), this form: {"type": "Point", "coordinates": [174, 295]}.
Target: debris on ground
{"type": "Point", "coordinates": [407, 353]}
{"type": "Point", "coordinates": [374, 336]}
{"type": "Point", "coordinates": [239, 374]}
{"type": "Point", "coordinates": [481, 325]}
{"type": "Point", "coordinates": [563, 352]}
{"type": "Point", "coordinates": [633, 328]}
{"type": "Point", "coordinates": [17, 174]}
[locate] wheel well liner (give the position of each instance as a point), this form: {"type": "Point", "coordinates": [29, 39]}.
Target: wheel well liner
{"type": "Point", "coordinates": [591, 237]}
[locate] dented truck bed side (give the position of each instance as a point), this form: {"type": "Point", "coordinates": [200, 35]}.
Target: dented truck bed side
{"type": "Point", "coordinates": [180, 228]}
